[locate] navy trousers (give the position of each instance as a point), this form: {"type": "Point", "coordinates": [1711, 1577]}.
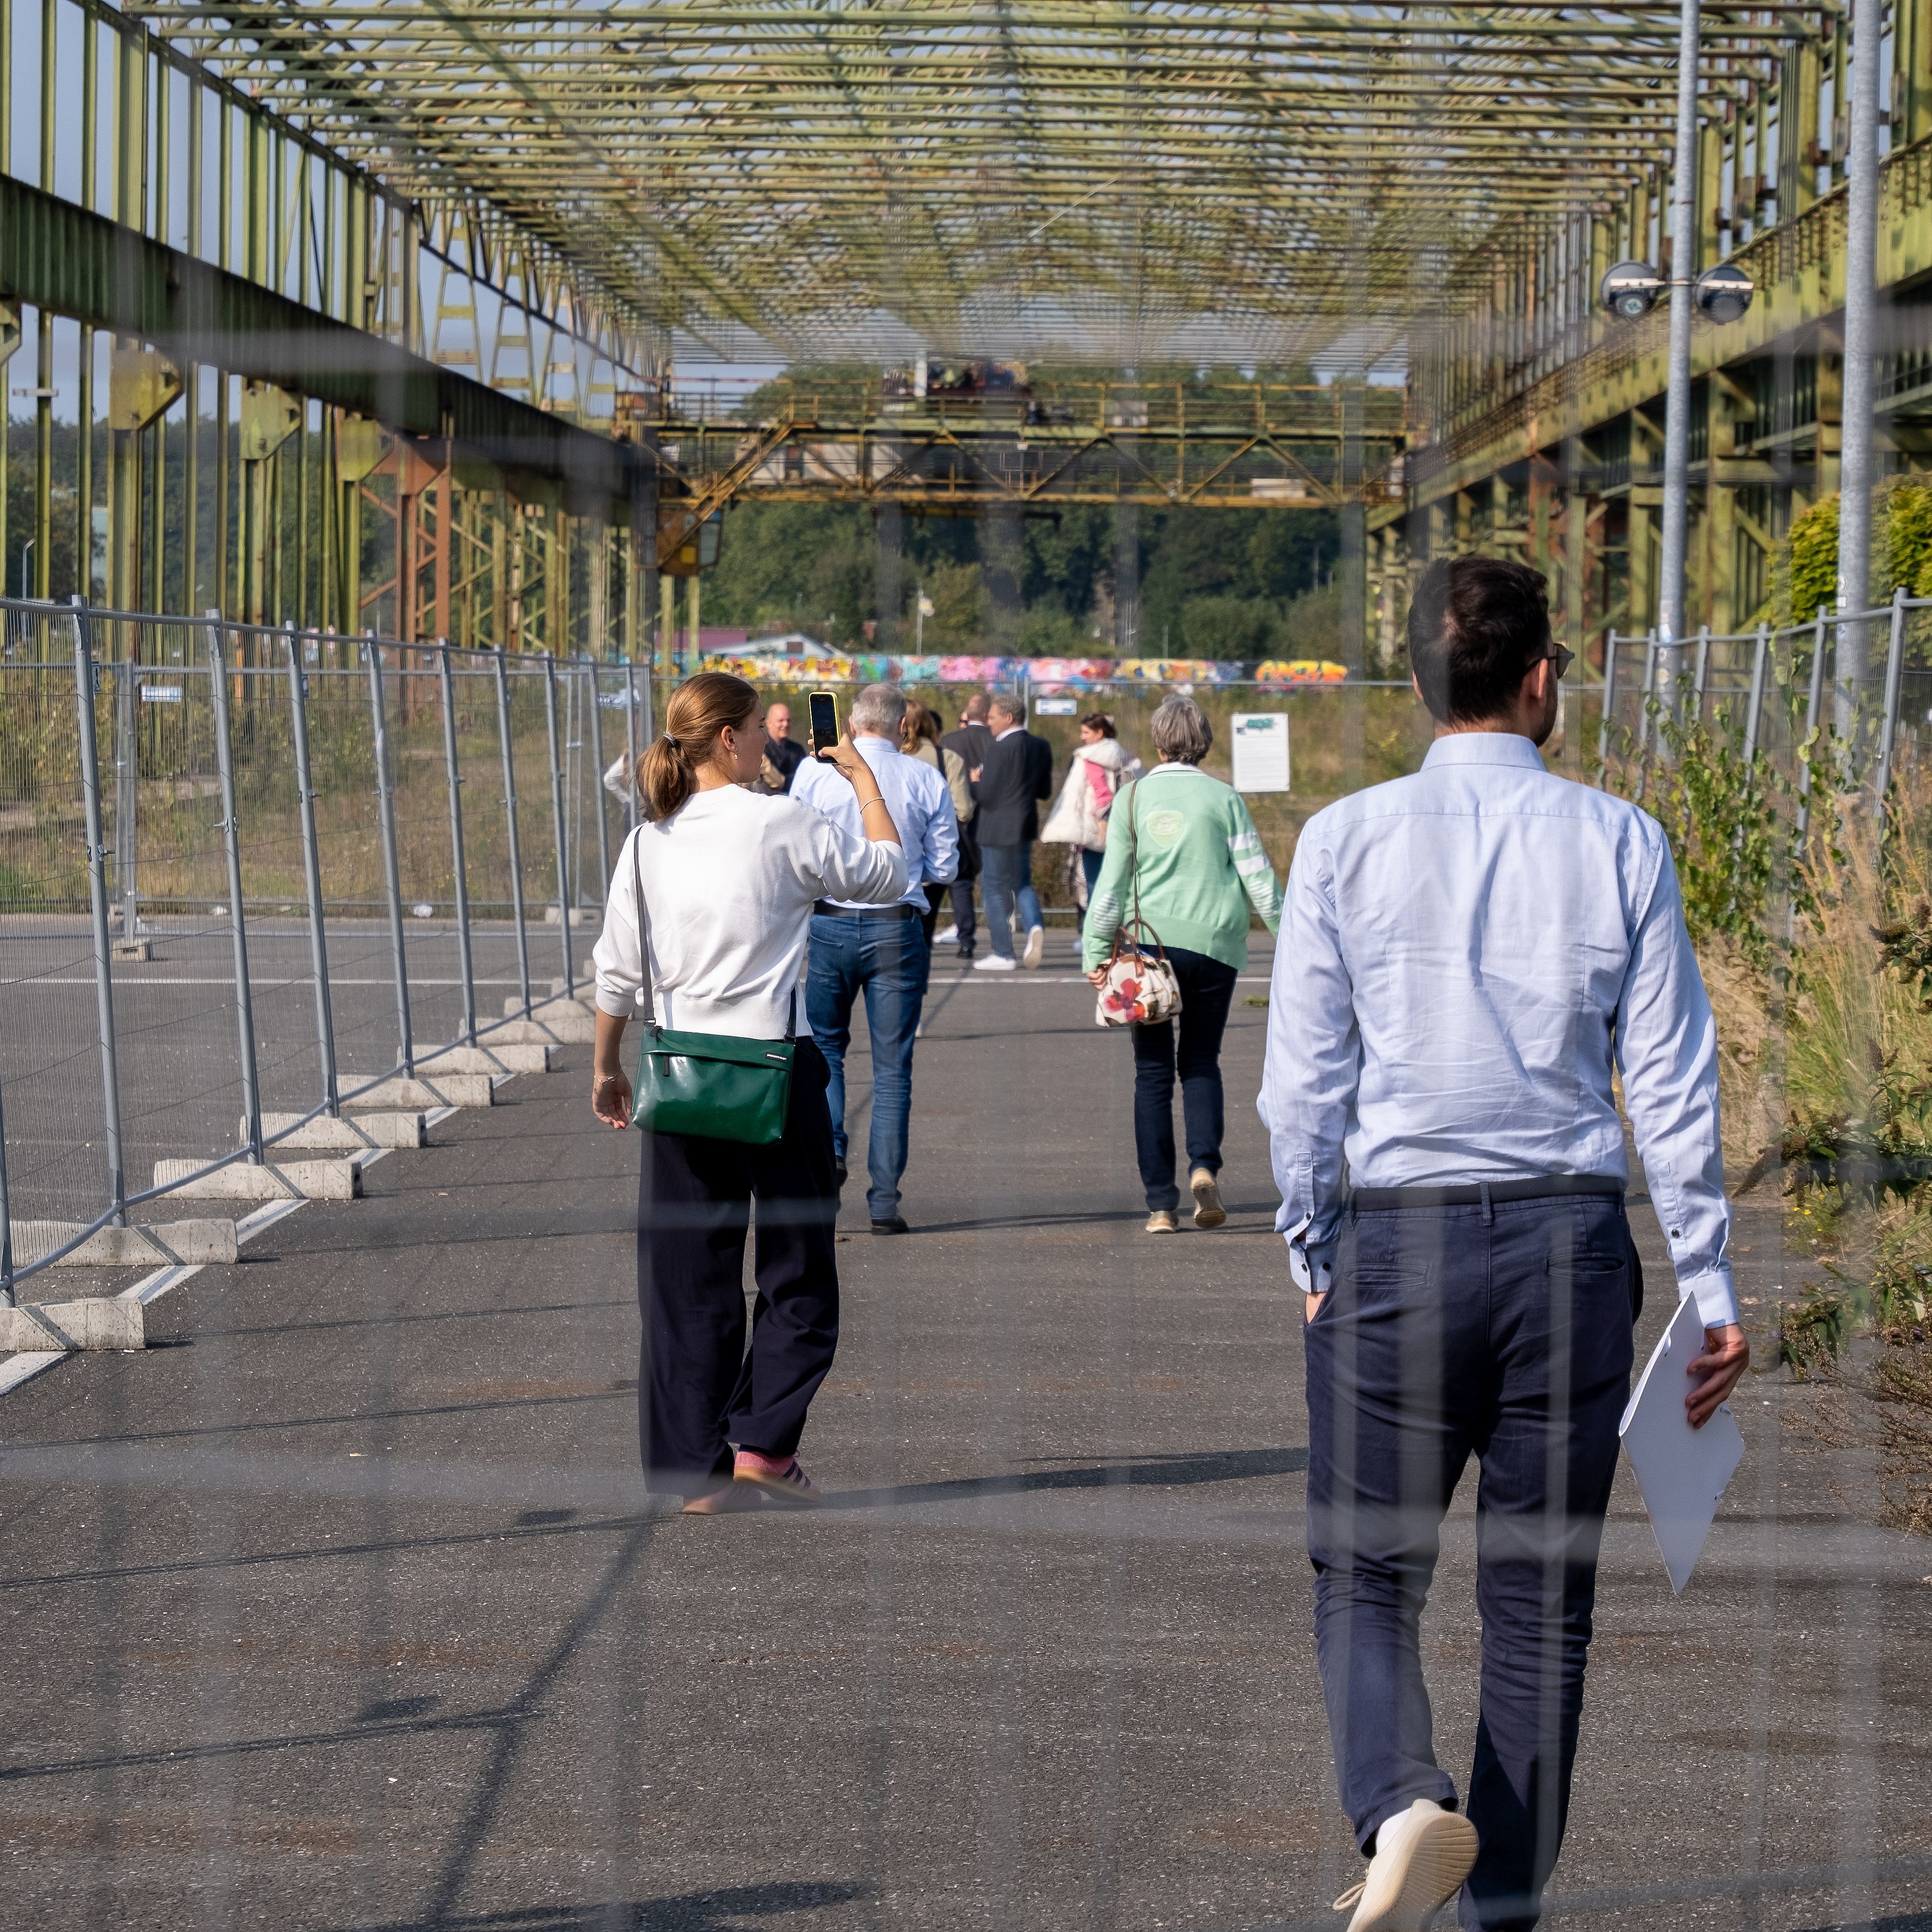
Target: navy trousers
{"type": "Point", "coordinates": [698, 1390]}
{"type": "Point", "coordinates": [1207, 989]}
{"type": "Point", "coordinates": [1504, 1331]}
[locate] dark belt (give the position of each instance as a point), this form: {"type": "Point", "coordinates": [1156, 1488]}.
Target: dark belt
{"type": "Point", "coordinates": [1484, 1193]}
{"type": "Point", "coordinates": [901, 910]}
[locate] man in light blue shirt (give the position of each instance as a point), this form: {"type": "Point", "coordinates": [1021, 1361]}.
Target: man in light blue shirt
{"type": "Point", "coordinates": [882, 950]}
{"type": "Point", "coordinates": [1465, 957]}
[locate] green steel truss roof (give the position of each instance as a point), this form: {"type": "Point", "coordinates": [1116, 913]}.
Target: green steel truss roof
{"type": "Point", "coordinates": [1127, 183]}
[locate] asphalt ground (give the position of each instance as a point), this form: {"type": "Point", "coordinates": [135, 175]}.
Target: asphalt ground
{"type": "Point", "coordinates": [342, 1607]}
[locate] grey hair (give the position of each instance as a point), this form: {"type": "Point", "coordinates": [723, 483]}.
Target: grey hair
{"type": "Point", "coordinates": [879, 708]}
{"type": "Point", "coordinates": [1013, 707]}
{"type": "Point", "coordinates": [1182, 734]}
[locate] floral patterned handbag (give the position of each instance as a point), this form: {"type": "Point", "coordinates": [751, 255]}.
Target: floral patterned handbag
{"type": "Point", "coordinates": [1140, 988]}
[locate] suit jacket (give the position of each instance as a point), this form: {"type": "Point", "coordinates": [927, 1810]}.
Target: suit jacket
{"type": "Point", "coordinates": [1015, 774]}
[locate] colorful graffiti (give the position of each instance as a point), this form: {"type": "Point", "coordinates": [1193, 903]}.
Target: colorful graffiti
{"type": "Point", "coordinates": [1048, 676]}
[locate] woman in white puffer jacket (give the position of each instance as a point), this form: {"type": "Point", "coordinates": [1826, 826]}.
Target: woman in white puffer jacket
{"type": "Point", "coordinates": [1094, 777]}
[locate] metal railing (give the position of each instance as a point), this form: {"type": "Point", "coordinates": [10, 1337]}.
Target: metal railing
{"type": "Point", "coordinates": [246, 874]}
{"type": "Point", "coordinates": [1736, 678]}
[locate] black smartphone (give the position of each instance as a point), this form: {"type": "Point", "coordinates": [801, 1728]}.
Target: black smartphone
{"type": "Point", "coordinates": [824, 722]}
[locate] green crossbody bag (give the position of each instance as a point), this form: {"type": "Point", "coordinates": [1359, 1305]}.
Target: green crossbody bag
{"type": "Point", "coordinates": [712, 1084]}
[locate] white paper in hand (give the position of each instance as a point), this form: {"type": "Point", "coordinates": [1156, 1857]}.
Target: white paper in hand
{"type": "Point", "coordinates": [1681, 1471]}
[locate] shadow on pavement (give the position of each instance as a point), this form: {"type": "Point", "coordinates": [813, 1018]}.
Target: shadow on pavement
{"type": "Point", "coordinates": [1227, 1465]}
{"type": "Point", "coordinates": [687, 1912]}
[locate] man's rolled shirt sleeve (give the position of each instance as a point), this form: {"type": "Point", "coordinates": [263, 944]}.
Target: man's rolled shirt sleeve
{"type": "Point", "coordinates": [1312, 1066]}
{"type": "Point", "coordinates": [1666, 1048]}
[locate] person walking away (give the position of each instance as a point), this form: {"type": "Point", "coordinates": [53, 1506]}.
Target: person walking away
{"type": "Point", "coordinates": [1017, 773]}
{"type": "Point", "coordinates": [858, 946]}
{"type": "Point", "coordinates": [1099, 768]}
{"type": "Point", "coordinates": [1469, 956]}
{"type": "Point", "coordinates": [783, 753]}
{"type": "Point", "coordinates": [969, 743]}
{"type": "Point", "coordinates": [918, 738]}
{"type": "Point", "coordinates": [1183, 855]}
{"type": "Point", "coordinates": [729, 878]}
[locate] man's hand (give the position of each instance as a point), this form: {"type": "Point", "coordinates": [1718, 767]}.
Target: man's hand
{"type": "Point", "coordinates": [1312, 1307]}
{"type": "Point", "coordinates": [1098, 977]}
{"type": "Point", "coordinates": [1716, 1371]}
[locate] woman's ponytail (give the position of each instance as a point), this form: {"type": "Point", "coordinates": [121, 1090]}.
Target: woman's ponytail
{"type": "Point", "coordinates": [700, 708]}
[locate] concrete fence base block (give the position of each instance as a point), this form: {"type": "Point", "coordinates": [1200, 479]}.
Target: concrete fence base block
{"type": "Point", "coordinates": [580, 916]}
{"type": "Point", "coordinates": [352, 1134]}
{"type": "Point", "coordinates": [557, 1007]}
{"type": "Point", "coordinates": [134, 948]}
{"type": "Point", "coordinates": [100, 1321]}
{"type": "Point", "coordinates": [280, 1180]}
{"type": "Point", "coordinates": [166, 1244]}
{"type": "Point", "coordinates": [585, 992]}
{"type": "Point", "coordinates": [450, 1089]}
{"type": "Point", "coordinates": [574, 1028]}
{"type": "Point", "coordinates": [480, 1060]}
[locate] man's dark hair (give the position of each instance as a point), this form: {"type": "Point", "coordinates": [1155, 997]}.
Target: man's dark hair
{"type": "Point", "coordinates": [1476, 625]}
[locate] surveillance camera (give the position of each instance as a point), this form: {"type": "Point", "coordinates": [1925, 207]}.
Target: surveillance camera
{"type": "Point", "coordinates": [1722, 293]}
{"type": "Point", "coordinates": [1630, 290]}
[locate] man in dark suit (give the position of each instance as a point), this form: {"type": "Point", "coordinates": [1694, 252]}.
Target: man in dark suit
{"type": "Point", "coordinates": [1016, 773]}
{"type": "Point", "coordinates": [971, 741]}
{"type": "Point", "coordinates": [783, 753]}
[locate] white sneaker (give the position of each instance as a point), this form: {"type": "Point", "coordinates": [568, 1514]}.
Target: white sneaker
{"type": "Point", "coordinates": [1208, 1211]}
{"type": "Point", "coordinates": [950, 936]}
{"type": "Point", "coordinates": [996, 962]}
{"type": "Point", "coordinates": [1422, 1856]}
{"type": "Point", "coordinates": [1036, 945]}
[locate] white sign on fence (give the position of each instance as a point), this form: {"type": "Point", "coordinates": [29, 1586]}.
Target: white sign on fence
{"type": "Point", "coordinates": [160, 693]}
{"type": "Point", "coordinates": [1055, 707]}
{"type": "Point", "coordinates": [1261, 751]}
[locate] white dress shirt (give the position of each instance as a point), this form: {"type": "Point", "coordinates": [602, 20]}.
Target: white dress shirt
{"type": "Point", "coordinates": [730, 879]}
{"type": "Point", "coordinates": [917, 797]}
{"type": "Point", "coordinates": [1465, 956]}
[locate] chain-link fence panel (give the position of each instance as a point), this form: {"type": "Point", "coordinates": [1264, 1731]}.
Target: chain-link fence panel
{"type": "Point", "coordinates": [498, 944]}
{"type": "Point", "coordinates": [51, 1094]}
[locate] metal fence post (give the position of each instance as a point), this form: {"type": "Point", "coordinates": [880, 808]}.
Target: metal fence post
{"type": "Point", "coordinates": [231, 840]}
{"type": "Point", "coordinates": [1650, 657]}
{"type": "Point", "coordinates": [1703, 668]}
{"type": "Point", "coordinates": [556, 820]}
{"type": "Point", "coordinates": [465, 964]}
{"type": "Point", "coordinates": [127, 771]}
{"type": "Point", "coordinates": [597, 784]}
{"type": "Point", "coordinates": [6, 1220]}
{"type": "Point", "coordinates": [1609, 712]}
{"type": "Point", "coordinates": [97, 893]}
{"type": "Point", "coordinates": [1759, 657]}
{"type": "Point", "coordinates": [318, 944]}
{"type": "Point", "coordinates": [392, 877]}
{"type": "Point", "coordinates": [510, 819]}
{"type": "Point", "coordinates": [634, 742]}
{"type": "Point", "coordinates": [1811, 705]}
{"type": "Point", "coordinates": [1894, 664]}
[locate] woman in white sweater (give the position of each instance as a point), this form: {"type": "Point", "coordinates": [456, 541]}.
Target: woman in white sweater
{"type": "Point", "coordinates": [729, 877]}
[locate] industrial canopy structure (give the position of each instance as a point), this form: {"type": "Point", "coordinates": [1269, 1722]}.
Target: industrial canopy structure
{"type": "Point", "coordinates": [1160, 180]}
{"type": "Point", "coordinates": [413, 280]}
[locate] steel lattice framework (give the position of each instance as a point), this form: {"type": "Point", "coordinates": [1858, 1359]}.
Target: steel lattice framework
{"type": "Point", "coordinates": [1126, 182]}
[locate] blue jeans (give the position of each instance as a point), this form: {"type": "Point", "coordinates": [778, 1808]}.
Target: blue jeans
{"type": "Point", "coordinates": [884, 954]}
{"type": "Point", "coordinates": [1207, 989]}
{"type": "Point", "coordinates": [1505, 1331]}
{"type": "Point", "coordinates": [1006, 875]}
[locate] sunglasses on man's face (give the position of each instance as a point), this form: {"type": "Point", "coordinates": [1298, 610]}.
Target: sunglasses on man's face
{"type": "Point", "coordinates": [1563, 659]}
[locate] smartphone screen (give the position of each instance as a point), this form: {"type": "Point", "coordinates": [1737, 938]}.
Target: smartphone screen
{"type": "Point", "coordinates": [824, 722]}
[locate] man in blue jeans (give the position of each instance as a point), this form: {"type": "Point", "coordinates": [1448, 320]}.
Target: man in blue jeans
{"type": "Point", "coordinates": [1016, 773]}
{"type": "Point", "coordinates": [879, 950]}
{"type": "Point", "coordinates": [1466, 956]}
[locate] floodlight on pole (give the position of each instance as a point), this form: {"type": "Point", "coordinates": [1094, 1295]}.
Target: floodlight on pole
{"type": "Point", "coordinates": [1851, 666]}
{"type": "Point", "coordinates": [1677, 395]}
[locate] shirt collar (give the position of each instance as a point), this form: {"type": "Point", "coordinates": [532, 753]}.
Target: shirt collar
{"type": "Point", "coordinates": [1484, 748]}
{"type": "Point", "coordinates": [1000, 737]}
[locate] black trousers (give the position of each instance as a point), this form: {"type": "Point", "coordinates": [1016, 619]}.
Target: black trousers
{"type": "Point", "coordinates": [698, 1390]}
{"type": "Point", "coordinates": [1207, 989]}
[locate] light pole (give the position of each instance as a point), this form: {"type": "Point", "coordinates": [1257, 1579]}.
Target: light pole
{"type": "Point", "coordinates": [1677, 395]}
{"type": "Point", "coordinates": [1855, 453]}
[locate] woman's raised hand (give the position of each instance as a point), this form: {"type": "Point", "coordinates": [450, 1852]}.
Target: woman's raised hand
{"type": "Point", "coordinates": [847, 756]}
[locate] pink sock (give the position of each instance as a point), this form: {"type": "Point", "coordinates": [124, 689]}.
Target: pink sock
{"type": "Point", "coordinates": [766, 1465]}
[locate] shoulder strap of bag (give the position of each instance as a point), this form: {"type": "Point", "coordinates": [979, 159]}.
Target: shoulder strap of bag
{"type": "Point", "coordinates": [643, 933]}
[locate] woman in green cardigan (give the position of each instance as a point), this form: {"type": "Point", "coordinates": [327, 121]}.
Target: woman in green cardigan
{"type": "Point", "coordinates": [1183, 843]}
